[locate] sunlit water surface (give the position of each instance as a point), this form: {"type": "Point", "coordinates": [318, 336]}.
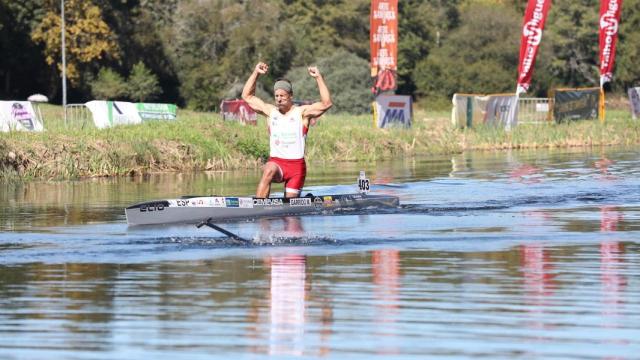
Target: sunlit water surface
{"type": "Point", "coordinates": [495, 255]}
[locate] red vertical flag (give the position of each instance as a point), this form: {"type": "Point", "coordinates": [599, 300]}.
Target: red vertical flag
{"type": "Point", "coordinates": [383, 40]}
{"type": "Point", "coordinates": [609, 21]}
{"type": "Point", "coordinates": [533, 24]}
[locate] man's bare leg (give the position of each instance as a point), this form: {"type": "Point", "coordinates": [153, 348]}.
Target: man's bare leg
{"type": "Point", "coordinates": [289, 194]}
{"type": "Point", "coordinates": [271, 172]}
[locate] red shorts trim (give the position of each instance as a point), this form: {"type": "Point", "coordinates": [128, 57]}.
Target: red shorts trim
{"type": "Point", "coordinates": [293, 172]}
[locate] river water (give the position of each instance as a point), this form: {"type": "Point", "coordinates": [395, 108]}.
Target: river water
{"type": "Point", "coordinates": [495, 255]}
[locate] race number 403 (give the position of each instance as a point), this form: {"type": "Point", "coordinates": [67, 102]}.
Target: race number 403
{"type": "Point", "coordinates": [363, 183]}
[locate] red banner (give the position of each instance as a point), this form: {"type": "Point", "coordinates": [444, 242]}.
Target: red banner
{"type": "Point", "coordinates": [383, 35]}
{"type": "Point", "coordinates": [609, 21]}
{"type": "Point", "coordinates": [533, 24]}
{"type": "Point", "coordinates": [238, 110]}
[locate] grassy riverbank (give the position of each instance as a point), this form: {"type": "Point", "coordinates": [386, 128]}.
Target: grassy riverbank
{"type": "Point", "coordinates": [202, 141]}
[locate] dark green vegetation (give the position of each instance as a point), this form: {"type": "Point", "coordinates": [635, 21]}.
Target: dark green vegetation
{"type": "Point", "coordinates": [202, 141]}
{"type": "Point", "coordinates": [195, 53]}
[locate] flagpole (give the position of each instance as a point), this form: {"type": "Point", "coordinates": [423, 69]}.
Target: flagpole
{"type": "Point", "coordinates": [64, 63]}
{"type": "Point", "coordinates": [601, 109]}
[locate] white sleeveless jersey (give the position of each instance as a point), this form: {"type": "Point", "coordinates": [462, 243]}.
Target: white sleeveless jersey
{"type": "Point", "coordinates": [287, 134]}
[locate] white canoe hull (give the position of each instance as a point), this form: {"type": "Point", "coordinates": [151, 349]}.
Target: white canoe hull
{"type": "Point", "coordinates": [192, 210]}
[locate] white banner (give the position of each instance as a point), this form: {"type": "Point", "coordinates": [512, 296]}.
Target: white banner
{"type": "Point", "coordinates": [502, 110]}
{"type": "Point", "coordinates": [392, 111]}
{"type": "Point", "coordinates": [111, 113]}
{"type": "Point", "coordinates": [18, 115]}
{"type": "Point", "coordinates": [634, 101]}
{"type": "Point", "coordinates": [495, 110]}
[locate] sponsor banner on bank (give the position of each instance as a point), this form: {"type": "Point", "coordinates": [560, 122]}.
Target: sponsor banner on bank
{"type": "Point", "coordinates": [18, 116]}
{"type": "Point", "coordinates": [502, 111]}
{"type": "Point", "coordinates": [634, 101]}
{"type": "Point", "coordinates": [383, 35]}
{"type": "Point", "coordinates": [112, 113]}
{"type": "Point", "coordinates": [535, 17]}
{"type": "Point", "coordinates": [576, 104]}
{"type": "Point", "coordinates": [392, 111]}
{"type": "Point", "coordinates": [609, 22]}
{"type": "Point", "coordinates": [238, 110]}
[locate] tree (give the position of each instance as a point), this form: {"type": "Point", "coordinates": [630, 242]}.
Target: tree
{"type": "Point", "coordinates": [22, 69]}
{"type": "Point", "coordinates": [216, 43]}
{"type": "Point", "coordinates": [109, 85]}
{"type": "Point", "coordinates": [347, 77]}
{"type": "Point", "coordinates": [88, 38]}
{"type": "Point", "coordinates": [422, 27]}
{"type": "Point", "coordinates": [572, 35]}
{"type": "Point", "coordinates": [142, 84]}
{"type": "Point", "coordinates": [480, 56]}
{"type": "Point", "coordinates": [626, 73]}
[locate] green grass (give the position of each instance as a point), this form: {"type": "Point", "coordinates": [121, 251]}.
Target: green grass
{"type": "Point", "coordinates": [202, 141]}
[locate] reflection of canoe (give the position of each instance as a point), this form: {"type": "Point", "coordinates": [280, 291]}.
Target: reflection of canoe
{"type": "Point", "coordinates": [193, 210]}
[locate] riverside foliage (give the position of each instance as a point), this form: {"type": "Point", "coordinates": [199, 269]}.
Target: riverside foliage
{"type": "Point", "coordinates": [200, 51]}
{"type": "Point", "coordinates": [203, 141]}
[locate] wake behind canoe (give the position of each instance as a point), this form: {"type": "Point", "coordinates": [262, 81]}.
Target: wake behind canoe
{"type": "Point", "coordinates": [192, 210]}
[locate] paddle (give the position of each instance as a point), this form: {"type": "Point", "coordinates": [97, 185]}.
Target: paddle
{"type": "Point", "coordinates": [218, 228]}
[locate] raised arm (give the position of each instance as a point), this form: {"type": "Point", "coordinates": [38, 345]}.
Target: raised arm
{"type": "Point", "coordinates": [249, 90]}
{"type": "Point", "coordinates": [318, 108]}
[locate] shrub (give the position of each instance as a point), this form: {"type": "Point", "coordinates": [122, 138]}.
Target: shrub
{"type": "Point", "coordinates": [142, 84]}
{"type": "Point", "coordinates": [109, 85]}
{"type": "Point", "coordinates": [347, 77]}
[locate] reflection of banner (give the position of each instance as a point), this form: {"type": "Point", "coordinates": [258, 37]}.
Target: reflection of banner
{"type": "Point", "coordinates": [392, 111]}
{"type": "Point", "coordinates": [383, 35]}
{"type": "Point", "coordinates": [18, 115]}
{"type": "Point", "coordinates": [111, 113]}
{"type": "Point", "coordinates": [609, 21]}
{"type": "Point", "coordinates": [533, 24]}
{"type": "Point", "coordinates": [576, 104]}
{"type": "Point", "coordinates": [238, 110]}
{"type": "Point", "coordinates": [634, 101]}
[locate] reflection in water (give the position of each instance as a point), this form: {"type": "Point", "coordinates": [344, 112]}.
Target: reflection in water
{"type": "Point", "coordinates": [287, 289]}
{"type": "Point", "coordinates": [613, 280]}
{"type": "Point", "coordinates": [287, 304]}
{"type": "Point", "coordinates": [610, 217]}
{"type": "Point", "coordinates": [386, 278]}
{"type": "Point", "coordinates": [276, 230]}
{"type": "Point", "coordinates": [538, 282]}
{"type": "Point", "coordinates": [526, 174]}
{"type": "Point", "coordinates": [603, 166]}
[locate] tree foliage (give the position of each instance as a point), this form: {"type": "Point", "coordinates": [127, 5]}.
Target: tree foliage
{"type": "Point", "coordinates": [89, 38]}
{"type": "Point", "coordinates": [109, 85]}
{"type": "Point", "coordinates": [201, 51]}
{"type": "Point", "coordinates": [142, 84]}
{"type": "Point", "coordinates": [486, 69]}
{"type": "Point", "coordinates": [346, 76]}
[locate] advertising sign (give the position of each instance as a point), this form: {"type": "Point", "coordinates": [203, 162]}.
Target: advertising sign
{"type": "Point", "coordinates": [111, 113]}
{"type": "Point", "coordinates": [392, 111]}
{"type": "Point", "coordinates": [502, 111]}
{"type": "Point", "coordinates": [534, 18]}
{"type": "Point", "coordinates": [609, 22]}
{"type": "Point", "coordinates": [18, 115]}
{"type": "Point", "coordinates": [238, 110]}
{"type": "Point", "coordinates": [576, 104]}
{"type": "Point", "coordinates": [383, 35]}
{"type": "Point", "coordinates": [634, 101]}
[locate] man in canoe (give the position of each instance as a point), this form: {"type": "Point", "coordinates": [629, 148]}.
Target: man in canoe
{"type": "Point", "coordinates": [288, 125]}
